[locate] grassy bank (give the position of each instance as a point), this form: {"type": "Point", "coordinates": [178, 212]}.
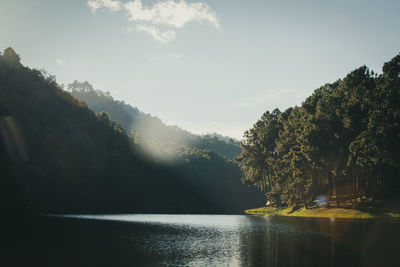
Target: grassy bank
{"type": "Point", "coordinates": [324, 213]}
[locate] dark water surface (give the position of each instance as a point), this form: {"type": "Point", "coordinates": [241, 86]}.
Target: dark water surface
{"type": "Point", "coordinates": [198, 240]}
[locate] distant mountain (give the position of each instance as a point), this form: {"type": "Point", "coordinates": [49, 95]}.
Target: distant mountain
{"type": "Point", "coordinates": [148, 127]}
{"type": "Point", "coordinates": [227, 139]}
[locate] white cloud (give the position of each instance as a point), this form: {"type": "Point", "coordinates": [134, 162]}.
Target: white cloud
{"type": "Point", "coordinates": [167, 13]}
{"type": "Point", "coordinates": [114, 5]}
{"type": "Point", "coordinates": [155, 32]}
{"type": "Point", "coordinates": [171, 13]}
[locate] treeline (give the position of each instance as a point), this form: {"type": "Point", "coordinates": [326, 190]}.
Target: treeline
{"type": "Point", "coordinates": [57, 155]}
{"type": "Point", "coordinates": [342, 143]}
{"type": "Point", "coordinates": [145, 126]}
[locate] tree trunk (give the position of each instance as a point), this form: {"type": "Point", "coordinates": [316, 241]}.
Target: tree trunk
{"type": "Point", "coordinates": [334, 189]}
{"type": "Point", "coordinates": [269, 182]}
{"type": "Point", "coordinates": [304, 198]}
{"type": "Point", "coordinates": [305, 201]}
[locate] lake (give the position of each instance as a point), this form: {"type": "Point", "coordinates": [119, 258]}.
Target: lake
{"type": "Point", "coordinates": [199, 240]}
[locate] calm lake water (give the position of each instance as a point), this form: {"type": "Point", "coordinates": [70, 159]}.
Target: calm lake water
{"type": "Point", "coordinates": [201, 240]}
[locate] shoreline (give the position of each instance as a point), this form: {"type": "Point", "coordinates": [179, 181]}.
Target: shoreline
{"type": "Point", "coordinates": [323, 213]}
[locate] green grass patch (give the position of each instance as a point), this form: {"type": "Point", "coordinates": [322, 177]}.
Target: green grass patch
{"type": "Point", "coordinates": [322, 213]}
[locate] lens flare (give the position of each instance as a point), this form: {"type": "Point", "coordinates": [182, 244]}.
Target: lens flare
{"type": "Point", "coordinates": [322, 200]}
{"type": "Point", "coordinates": [13, 139]}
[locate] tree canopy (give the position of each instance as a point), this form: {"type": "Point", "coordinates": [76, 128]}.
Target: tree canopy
{"type": "Point", "coordinates": [343, 142]}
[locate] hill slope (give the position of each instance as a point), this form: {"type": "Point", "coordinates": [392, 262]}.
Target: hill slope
{"type": "Point", "coordinates": [57, 155]}
{"type": "Point", "coordinates": [148, 127]}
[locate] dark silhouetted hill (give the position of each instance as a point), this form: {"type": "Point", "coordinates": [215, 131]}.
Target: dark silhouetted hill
{"type": "Point", "coordinates": [57, 155]}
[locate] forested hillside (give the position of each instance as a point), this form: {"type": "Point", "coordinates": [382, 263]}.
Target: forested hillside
{"type": "Point", "coordinates": [342, 145]}
{"type": "Point", "coordinates": [147, 127]}
{"type": "Point", "coordinates": [205, 161]}
{"type": "Point", "coordinates": [57, 155]}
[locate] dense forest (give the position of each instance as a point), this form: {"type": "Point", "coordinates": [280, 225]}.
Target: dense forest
{"type": "Point", "coordinates": [58, 155]}
{"type": "Point", "coordinates": [341, 146]}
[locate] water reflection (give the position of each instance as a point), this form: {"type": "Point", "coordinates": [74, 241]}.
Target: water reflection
{"type": "Point", "coordinates": [209, 240]}
{"type": "Point", "coordinates": [321, 242]}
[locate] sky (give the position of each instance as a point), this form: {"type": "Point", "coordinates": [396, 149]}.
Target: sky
{"type": "Point", "coordinates": [206, 66]}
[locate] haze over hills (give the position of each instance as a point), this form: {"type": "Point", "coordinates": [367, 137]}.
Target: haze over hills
{"type": "Point", "coordinates": [204, 160]}
{"type": "Point", "coordinates": [57, 155]}
{"type": "Point", "coordinates": [148, 128]}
